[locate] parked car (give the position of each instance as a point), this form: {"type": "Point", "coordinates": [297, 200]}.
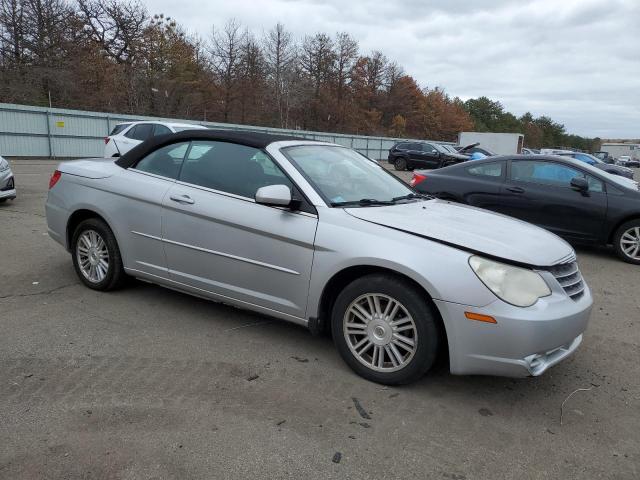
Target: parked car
{"type": "Point", "coordinates": [475, 148]}
{"type": "Point", "coordinates": [7, 182]}
{"type": "Point", "coordinates": [596, 162]}
{"type": "Point", "coordinates": [575, 200]}
{"type": "Point", "coordinates": [321, 236]}
{"type": "Point", "coordinates": [410, 155]}
{"type": "Point", "coordinates": [627, 161]}
{"type": "Point", "coordinates": [125, 136]}
{"type": "Point", "coordinates": [530, 151]}
{"type": "Point", "coordinates": [606, 157]}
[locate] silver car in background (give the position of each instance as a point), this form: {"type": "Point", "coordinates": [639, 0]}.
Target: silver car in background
{"type": "Point", "coordinates": [7, 182]}
{"type": "Point", "coordinates": [321, 236]}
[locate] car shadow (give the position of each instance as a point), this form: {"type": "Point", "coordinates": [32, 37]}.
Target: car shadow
{"type": "Point", "coordinates": [438, 382]}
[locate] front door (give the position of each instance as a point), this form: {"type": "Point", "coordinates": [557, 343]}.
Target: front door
{"type": "Point", "coordinates": [139, 193]}
{"type": "Point", "coordinates": [539, 192]}
{"type": "Point", "coordinates": [428, 156]}
{"type": "Point", "coordinates": [218, 240]}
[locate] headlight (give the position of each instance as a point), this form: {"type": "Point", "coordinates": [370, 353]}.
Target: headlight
{"type": "Point", "coordinates": [4, 165]}
{"type": "Point", "coordinates": [515, 285]}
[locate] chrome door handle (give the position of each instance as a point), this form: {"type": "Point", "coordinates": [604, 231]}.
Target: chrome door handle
{"type": "Point", "coordinates": [186, 199]}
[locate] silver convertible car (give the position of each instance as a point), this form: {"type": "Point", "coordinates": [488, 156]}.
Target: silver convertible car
{"type": "Point", "coordinates": [319, 235]}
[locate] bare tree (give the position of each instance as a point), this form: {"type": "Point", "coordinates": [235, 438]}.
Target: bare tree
{"type": "Point", "coordinates": [377, 65]}
{"type": "Point", "coordinates": [346, 55]}
{"type": "Point", "coordinates": [47, 30]}
{"type": "Point", "coordinates": [115, 25]}
{"type": "Point", "coordinates": [225, 50]}
{"type": "Point", "coordinates": [317, 63]}
{"type": "Point", "coordinates": [280, 55]}
{"type": "Point", "coordinates": [12, 31]}
{"type": "Point", "coordinates": [252, 74]}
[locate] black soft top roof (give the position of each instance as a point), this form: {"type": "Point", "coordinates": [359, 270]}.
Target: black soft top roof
{"type": "Point", "coordinates": [250, 139]}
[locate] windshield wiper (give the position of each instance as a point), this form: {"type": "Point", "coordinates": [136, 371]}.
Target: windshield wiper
{"type": "Point", "coordinates": [411, 196]}
{"type": "Point", "coordinates": [362, 202]}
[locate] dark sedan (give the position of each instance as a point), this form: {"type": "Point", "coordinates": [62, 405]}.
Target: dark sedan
{"type": "Point", "coordinates": [572, 199]}
{"type": "Point", "coordinates": [596, 162]}
{"type": "Point", "coordinates": [410, 155]}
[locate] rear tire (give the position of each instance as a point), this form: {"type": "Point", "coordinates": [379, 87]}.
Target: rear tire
{"type": "Point", "coordinates": [400, 163]}
{"type": "Point", "coordinates": [96, 256]}
{"type": "Point", "coordinates": [380, 349]}
{"type": "Point", "coordinates": [626, 241]}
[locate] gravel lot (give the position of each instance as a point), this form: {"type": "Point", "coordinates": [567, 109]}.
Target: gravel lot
{"type": "Point", "coordinates": [149, 383]}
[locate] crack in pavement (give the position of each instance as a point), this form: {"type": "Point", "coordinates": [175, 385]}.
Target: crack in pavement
{"type": "Point", "coordinates": [33, 294]}
{"type": "Point", "coordinates": [20, 211]}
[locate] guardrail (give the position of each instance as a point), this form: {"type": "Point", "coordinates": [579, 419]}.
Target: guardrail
{"type": "Point", "coordinates": [28, 131]}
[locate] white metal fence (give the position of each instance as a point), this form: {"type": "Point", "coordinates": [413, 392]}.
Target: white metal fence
{"type": "Point", "coordinates": [27, 131]}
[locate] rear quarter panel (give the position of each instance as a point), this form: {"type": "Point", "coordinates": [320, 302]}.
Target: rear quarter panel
{"type": "Point", "coordinates": [454, 184]}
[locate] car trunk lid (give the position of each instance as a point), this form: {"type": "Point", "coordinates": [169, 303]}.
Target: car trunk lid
{"type": "Point", "coordinates": [90, 167]}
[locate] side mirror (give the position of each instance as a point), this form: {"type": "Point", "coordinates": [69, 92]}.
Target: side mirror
{"type": "Point", "coordinates": [580, 184]}
{"type": "Point", "coordinates": [274, 195]}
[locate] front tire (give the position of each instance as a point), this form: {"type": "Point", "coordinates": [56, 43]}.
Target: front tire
{"type": "Point", "coordinates": [96, 256]}
{"type": "Point", "coordinates": [385, 329]}
{"type": "Point", "coordinates": [400, 163]}
{"type": "Point", "coordinates": [627, 242]}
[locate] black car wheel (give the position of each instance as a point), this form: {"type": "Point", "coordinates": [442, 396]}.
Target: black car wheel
{"type": "Point", "coordinates": [627, 242]}
{"type": "Point", "coordinates": [400, 163]}
{"type": "Point", "coordinates": [385, 329]}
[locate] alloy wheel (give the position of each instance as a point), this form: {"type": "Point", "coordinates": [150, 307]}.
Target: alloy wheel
{"type": "Point", "coordinates": [380, 332]}
{"type": "Point", "coordinates": [630, 243]}
{"type": "Point", "coordinates": [93, 256]}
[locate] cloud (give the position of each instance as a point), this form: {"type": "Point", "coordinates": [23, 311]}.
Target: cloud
{"type": "Point", "coordinates": [577, 61]}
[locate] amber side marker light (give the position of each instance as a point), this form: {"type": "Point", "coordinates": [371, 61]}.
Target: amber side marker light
{"type": "Point", "coordinates": [479, 318]}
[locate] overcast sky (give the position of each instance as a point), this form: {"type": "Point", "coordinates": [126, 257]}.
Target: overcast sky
{"type": "Point", "coordinates": [577, 61]}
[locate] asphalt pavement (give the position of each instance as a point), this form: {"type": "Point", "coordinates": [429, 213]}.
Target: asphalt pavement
{"type": "Point", "coordinates": [149, 383]}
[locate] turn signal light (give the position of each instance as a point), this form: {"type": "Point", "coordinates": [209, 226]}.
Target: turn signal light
{"type": "Point", "coordinates": [480, 318]}
{"type": "Point", "coordinates": [417, 178]}
{"type": "Point", "coordinates": [54, 178]}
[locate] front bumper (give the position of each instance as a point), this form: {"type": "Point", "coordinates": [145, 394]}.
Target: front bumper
{"type": "Point", "coordinates": [7, 184]}
{"type": "Point", "coordinates": [523, 342]}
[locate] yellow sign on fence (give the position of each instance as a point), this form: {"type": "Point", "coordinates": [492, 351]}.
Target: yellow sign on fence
{"type": "Point", "coordinates": [60, 124]}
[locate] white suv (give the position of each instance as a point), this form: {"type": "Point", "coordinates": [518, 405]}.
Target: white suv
{"type": "Point", "coordinates": [125, 136]}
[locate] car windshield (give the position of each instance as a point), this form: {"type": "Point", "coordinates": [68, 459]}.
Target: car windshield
{"type": "Point", "coordinates": [343, 177]}
{"type": "Point", "coordinates": [622, 181]}
{"type": "Point", "coordinates": [440, 148]}
{"type": "Point", "coordinates": [616, 179]}
{"type": "Point", "coordinates": [183, 128]}
{"type": "Point", "coordinates": [449, 148]}
{"type": "Point", "coordinates": [590, 159]}
{"type": "Point", "coordinates": [119, 128]}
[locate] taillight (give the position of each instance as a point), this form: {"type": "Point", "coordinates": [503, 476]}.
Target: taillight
{"type": "Point", "coordinates": [54, 178]}
{"type": "Point", "coordinates": [417, 178]}
{"type": "Point", "coordinates": [106, 140]}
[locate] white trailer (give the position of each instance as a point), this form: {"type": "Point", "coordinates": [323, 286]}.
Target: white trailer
{"type": "Point", "coordinates": [500, 143]}
{"type": "Point", "coordinates": [632, 150]}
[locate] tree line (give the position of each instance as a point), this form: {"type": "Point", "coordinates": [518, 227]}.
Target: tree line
{"type": "Point", "coordinates": [114, 56]}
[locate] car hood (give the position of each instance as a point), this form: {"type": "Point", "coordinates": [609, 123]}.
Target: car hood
{"type": "Point", "coordinates": [457, 156]}
{"type": "Point", "coordinates": [472, 229]}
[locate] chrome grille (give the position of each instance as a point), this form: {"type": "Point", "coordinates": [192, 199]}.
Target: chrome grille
{"type": "Point", "coordinates": [570, 279]}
